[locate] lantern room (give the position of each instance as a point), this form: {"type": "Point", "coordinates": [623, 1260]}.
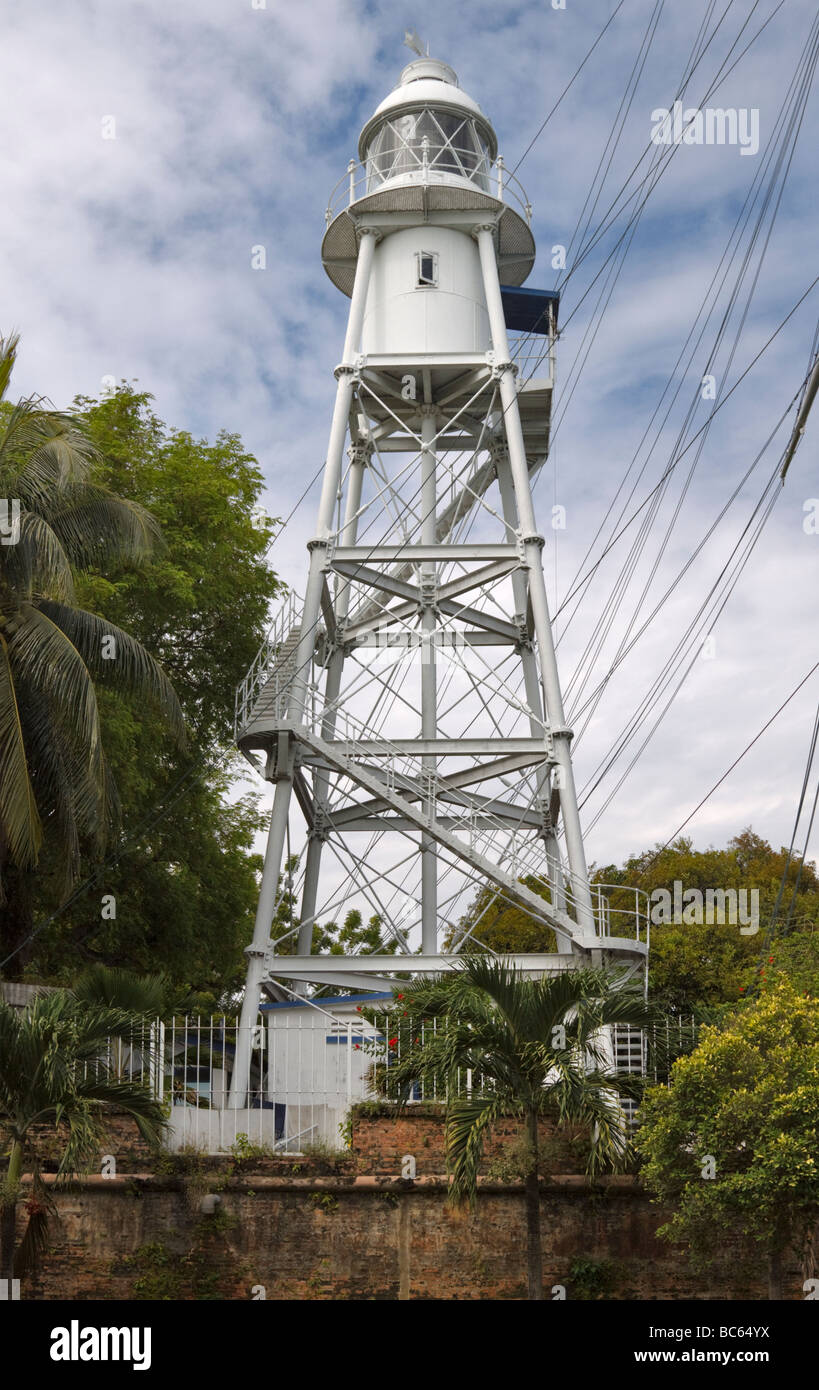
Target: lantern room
{"type": "Point", "coordinates": [428, 130]}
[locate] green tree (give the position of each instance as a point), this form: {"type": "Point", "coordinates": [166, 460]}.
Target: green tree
{"type": "Point", "coordinates": [698, 966]}
{"type": "Point", "coordinates": [53, 1069]}
{"type": "Point", "coordinates": [748, 1095]}
{"type": "Point", "coordinates": [535, 1049]}
{"type": "Point", "coordinates": [112, 987]}
{"type": "Point", "coordinates": [795, 957]}
{"type": "Point", "coordinates": [503, 927]}
{"type": "Point", "coordinates": [57, 794]}
{"type": "Point", "coordinates": [352, 936]}
{"type": "Point", "coordinates": [695, 968]}
{"type": "Point", "coordinates": [202, 605]}
{"type": "Point", "coordinates": [181, 887]}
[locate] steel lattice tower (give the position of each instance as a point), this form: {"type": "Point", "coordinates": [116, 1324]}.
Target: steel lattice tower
{"type": "Point", "coordinates": [414, 695]}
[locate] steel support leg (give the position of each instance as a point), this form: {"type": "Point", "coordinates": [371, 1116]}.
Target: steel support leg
{"type": "Point", "coordinates": [429, 680]}
{"type": "Point", "coordinates": [532, 550]}
{"type": "Point", "coordinates": [299, 691]}
{"type": "Point", "coordinates": [261, 937]}
{"type": "Point", "coordinates": [321, 781]}
{"type": "Point", "coordinates": [534, 697]}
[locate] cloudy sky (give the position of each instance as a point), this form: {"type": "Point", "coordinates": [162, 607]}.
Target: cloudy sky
{"type": "Point", "coordinates": [131, 257]}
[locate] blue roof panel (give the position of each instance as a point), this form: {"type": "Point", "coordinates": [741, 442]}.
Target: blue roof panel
{"type": "Point", "coordinates": [323, 1000]}
{"type": "Point", "coordinates": [527, 310]}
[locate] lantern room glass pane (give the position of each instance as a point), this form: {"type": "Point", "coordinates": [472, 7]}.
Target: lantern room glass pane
{"type": "Point", "coordinates": [454, 145]}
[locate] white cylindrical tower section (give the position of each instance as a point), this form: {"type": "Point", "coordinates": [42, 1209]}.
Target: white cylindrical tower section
{"type": "Point", "coordinates": [426, 294]}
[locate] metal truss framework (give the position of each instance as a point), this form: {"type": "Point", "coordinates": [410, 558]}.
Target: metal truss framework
{"type": "Point", "coordinates": [415, 697]}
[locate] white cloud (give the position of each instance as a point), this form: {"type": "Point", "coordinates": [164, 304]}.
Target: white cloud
{"type": "Point", "coordinates": [132, 257]}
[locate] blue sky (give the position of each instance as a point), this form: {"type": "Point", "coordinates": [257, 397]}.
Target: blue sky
{"type": "Point", "coordinates": [131, 257]}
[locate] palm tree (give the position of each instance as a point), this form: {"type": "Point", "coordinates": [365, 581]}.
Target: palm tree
{"type": "Point", "coordinates": [114, 987]}
{"type": "Point", "coordinates": [146, 996]}
{"type": "Point", "coordinates": [53, 773]}
{"type": "Point", "coordinates": [535, 1048]}
{"type": "Point", "coordinates": [53, 1069]}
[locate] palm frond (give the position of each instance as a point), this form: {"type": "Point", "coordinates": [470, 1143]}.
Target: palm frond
{"type": "Point", "coordinates": [43, 655]}
{"type": "Point", "coordinates": [19, 818]}
{"type": "Point", "coordinates": [8, 357]}
{"type": "Point", "coordinates": [43, 451]}
{"type": "Point", "coordinates": [468, 1123]}
{"type": "Point", "coordinates": [37, 563]}
{"type": "Point", "coordinates": [501, 982]}
{"type": "Point", "coordinates": [533, 1047]}
{"type": "Point", "coordinates": [95, 525]}
{"type": "Point", "coordinates": [81, 806]}
{"type": "Point", "coordinates": [54, 1069]}
{"type": "Point", "coordinates": [131, 667]}
{"type": "Point", "coordinates": [58, 456]}
{"type": "Point", "coordinates": [114, 986]}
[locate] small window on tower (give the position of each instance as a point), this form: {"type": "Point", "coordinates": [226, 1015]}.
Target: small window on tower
{"type": "Point", "coordinates": [427, 269]}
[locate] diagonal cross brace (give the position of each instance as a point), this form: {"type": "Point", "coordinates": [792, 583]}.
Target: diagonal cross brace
{"type": "Point", "coordinates": [467, 776]}
{"type": "Point", "coordinates": [559, 921]}
{"type": "Point", "coordinates": [389, 585]}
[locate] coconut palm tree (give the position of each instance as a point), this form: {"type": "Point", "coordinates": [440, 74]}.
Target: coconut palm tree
{"type": "Point", "coordinates": [54, 778]}
{"type": "Point", "coordinates": [535, 1049]}
{"type": "Point", "coordinates": [54, 1070]}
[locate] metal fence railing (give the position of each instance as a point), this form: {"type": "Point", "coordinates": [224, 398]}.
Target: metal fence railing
{"type": "Point", "coordinates": [309, 1066]}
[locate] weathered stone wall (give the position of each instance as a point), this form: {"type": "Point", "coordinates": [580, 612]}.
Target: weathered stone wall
{"type": "Point", "coordinates": [347, 1227]}
{"type": "Point", "coordinates": [362, 1239]}
{"type": "Point", "coordinates": [380, 1139]}
{"type": "Point", "coordinates": [123, 1140]}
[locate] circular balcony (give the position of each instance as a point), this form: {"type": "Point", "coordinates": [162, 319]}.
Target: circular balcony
{"type": "Point", "coordinates": [431, 181]}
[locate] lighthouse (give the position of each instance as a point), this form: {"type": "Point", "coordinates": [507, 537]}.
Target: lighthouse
{"type": "Point", "coordinates": [408, 709]}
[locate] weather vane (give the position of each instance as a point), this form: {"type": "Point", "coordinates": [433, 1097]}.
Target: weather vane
{"type": "Point", "coordinates": [412, 41]}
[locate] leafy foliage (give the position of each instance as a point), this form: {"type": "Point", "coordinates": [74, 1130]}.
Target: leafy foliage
{"type": "Point", "coordinates": [501, 926]}
{"type": "Point", "coordinates": [202, 605]}
{"type": "Point", "coordinates": [57, 796]}
{"type": "Point", "coordinates": [695, 968]}
{"type": "Point", "coordinates": [748, 1095]}
{"type": "Point", "coordinates": [54, 1069]}
{"type": "Point", "coordinates": [534, 1048]}
{"type": "Point", "coordinates": [111, 986]}
{"type": "Point", "coordinates": [525, 1043]}
{"type": "Point", "coordinates": [183, 875]}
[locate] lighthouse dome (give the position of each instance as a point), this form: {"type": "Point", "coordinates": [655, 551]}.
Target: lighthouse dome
{"type": "Point", "coordinates": [428, 114]}
{"type": "Point", "coordinates": [428, 67]}
{"type": "Point", "coordinates": [428, 156]}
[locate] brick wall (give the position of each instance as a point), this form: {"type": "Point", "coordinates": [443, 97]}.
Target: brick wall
{"type": "Point", "coordinates": [122, 1139]}
{"type": "Point", "coordinates": [351, 1228]}
{"type": "Point", "coordinates": [364, 1238]}
{"type": "Point", "coordinates": [380, 1139]}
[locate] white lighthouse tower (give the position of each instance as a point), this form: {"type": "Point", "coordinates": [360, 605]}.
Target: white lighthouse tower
{"type": "Point", "coordinates": [409, 711]}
